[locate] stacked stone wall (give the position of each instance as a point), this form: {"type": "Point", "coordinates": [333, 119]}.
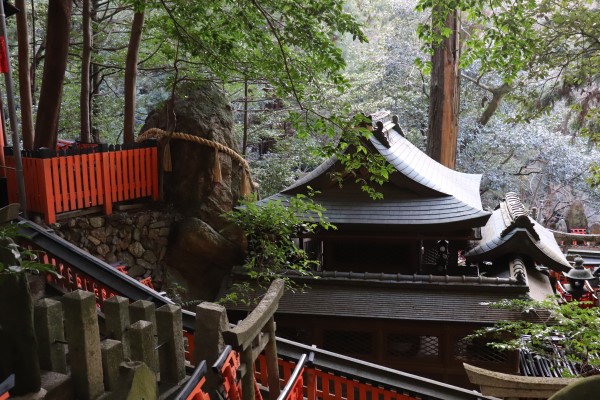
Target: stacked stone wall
{"type": "Point", "coordinates": [138, 240]}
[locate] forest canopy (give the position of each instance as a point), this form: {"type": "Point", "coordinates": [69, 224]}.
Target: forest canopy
{"type": "Point", "coordinates": [297, 73]}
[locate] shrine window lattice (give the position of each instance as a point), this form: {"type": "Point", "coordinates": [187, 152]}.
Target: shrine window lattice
{"type": "Point", "coordinates": [478, 351]}
{"type": "Point", "coordinates": [412, 346]}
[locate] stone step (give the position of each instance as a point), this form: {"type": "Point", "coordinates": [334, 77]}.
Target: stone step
{"type": "Point", "coordinates": [58, 386]}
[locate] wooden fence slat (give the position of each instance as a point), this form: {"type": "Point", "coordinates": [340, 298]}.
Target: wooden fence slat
{"type": "Point", "coordinates": [121, 171]}
{"type": "Point", "coordinates": [154, 171]}
{"type": "Point", "coordinates": [112, 161]}
{"type": "Point", "coordinates": [85, 159]}
{"type": "Point", "coordinates": [71, 180]}
{"type": "Point", "coordinates": [56, 184]}
{"type": "Point", "coordinates": [337, 387]}
{"type": "Point", "coordinates": [137, 169]}
{"type": "Point", "coordinates": [47, 195]}
{"type": "Point", "coordinates": [92, 179]}
{"type": "Point", "coordinates": [131, 182]}
{"type": "Point", "coordinates": [64, 190]}
{"type": "Point", "coordinates": [106, 184]}
{"type": "Point", "coordinates": [78, 185]}
{"type": "Point", "coordinates": [143, 172]}
{"type": "Point", "coordinates": [99, 180]}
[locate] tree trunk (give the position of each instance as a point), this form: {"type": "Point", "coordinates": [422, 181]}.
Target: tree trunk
{"type": "Point", "coordinates": [444, 97]}
{"type": "Point", "coordinates": [497, 96]}
{"type": "Point", "coordinates": [84, 95]}
{"type": "Point", "coordinates": [131, 76]}
{"type": "Point", "coordinates": [24, 77]}
{"type": "Point", "coordinates": [55, 63]}
{"type": "Point", "coordinates": [96, 80]}
{"type": "Point", "coordinates": [245, 135]}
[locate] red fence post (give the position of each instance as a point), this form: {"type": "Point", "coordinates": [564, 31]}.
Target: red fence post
{"type": "Point", "coordinates": [106, 184]}
{"type": "Point", "coordinates": [46, 193]}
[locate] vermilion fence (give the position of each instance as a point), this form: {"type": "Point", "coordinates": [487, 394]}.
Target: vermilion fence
{"type": "Point", "coordinates": [58, 182]}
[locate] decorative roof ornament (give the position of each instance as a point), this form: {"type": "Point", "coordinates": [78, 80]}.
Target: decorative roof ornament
{"type": "Point", "coordinates": [515, 215]}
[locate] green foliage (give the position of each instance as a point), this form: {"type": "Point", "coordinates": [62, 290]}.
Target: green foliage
{"type": "Point", "coordinates": [15, 258]}
{"type": "Point", "coordinates": [576, 330]}
{"type": "Point", "coordinates": [501, 36]}
{"type": "Point", "coordinates": [270, 229]}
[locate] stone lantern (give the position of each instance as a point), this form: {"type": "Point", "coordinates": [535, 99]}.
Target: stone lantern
{"type": "Point", "coordinates": [577, 277]}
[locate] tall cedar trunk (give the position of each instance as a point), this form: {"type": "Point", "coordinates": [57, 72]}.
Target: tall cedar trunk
{"type": "Point", "coordinates": [84, 95]}
{"type": "Point", "coordinates": [24, 77]}
{"type": "Point", "coordinates": [96, 79]}
{"type": "Point", "coordinates": [55, 63]}
{"type": "Point", "coordinates": [131, 76]}
{"type": "Point", "coordinates": [245, 135]}
{"type": "Point", "coordinates": [33, 64]}
{"type": "Point", "coordinates": [444, 97]}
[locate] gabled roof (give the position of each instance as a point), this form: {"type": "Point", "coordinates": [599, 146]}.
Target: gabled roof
{"type": "Point", "coordinates": [420, 192]}
{"type": "Point", "coordinates": [511, 231]}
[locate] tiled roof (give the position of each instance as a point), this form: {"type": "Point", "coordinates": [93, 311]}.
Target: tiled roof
{"type": "Point", "coordinates": [350, 205]}
{"type": "Point", "coordinates": [421, 192]}
{"type": "Point", "coordinates": [511, 232]}
{"type": "Point", "coordinates": [422, 301]}
{"type": "Point", "coordinates": [420, 168]}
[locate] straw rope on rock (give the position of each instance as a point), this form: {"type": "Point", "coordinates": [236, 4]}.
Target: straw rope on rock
{"type": "Point", "coordinates": [156, 133]}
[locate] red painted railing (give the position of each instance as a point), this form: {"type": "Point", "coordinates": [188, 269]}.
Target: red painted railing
{"type": "Point", "coordinates": [323, 385]}
{"type": "Point", "coordinates": [61, 182]}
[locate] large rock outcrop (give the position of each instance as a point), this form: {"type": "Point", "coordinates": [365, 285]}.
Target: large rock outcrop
{"type": "Point", "coordinates": [203, 246]}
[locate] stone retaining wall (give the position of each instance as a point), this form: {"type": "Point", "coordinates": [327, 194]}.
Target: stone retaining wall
{"type": "Point", "coordinates": [137, 240]}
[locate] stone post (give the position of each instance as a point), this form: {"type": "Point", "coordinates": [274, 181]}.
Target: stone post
{"type": "Point", "coordinates": [171, 353]}
{"type": "Point", "coordinates": [112, 357]}
{"type": "Point", "coordinates": [211, 321]}
{"type": "Point", "coordinates": [142, 344]}
{"type": "Point", "coordinates": [144, 310]}
{"type": "Point", "coordinates": [18, 348]}
{"type": "Point", "coordinates": [83, 337]}
{"type": "Point", "coordinates": [116, 314]}
{"type": "Point", "coordinates": [49, 329]}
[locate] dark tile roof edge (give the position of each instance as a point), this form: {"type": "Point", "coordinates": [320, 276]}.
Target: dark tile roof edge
{"type": "Point", "coordinates": [421, 282]}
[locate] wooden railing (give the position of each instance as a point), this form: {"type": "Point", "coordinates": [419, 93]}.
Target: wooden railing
{"type": "Point", "coordinates": [58, 182]}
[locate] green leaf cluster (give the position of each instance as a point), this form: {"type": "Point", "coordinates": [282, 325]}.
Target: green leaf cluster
{"type": "Point", "coordinates": [15, 258]}
{"type": "Point", "coordinates": [574, 329]}
{"type": "Point", "coordinates": [270, 229]}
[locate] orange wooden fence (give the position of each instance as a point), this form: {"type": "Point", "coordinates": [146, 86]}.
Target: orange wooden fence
{"type": "Point", "coordinates": [324, 385]}
{"type": "Point", "coordinates": [59, 182]}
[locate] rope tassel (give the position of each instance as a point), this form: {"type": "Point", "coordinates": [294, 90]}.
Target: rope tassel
{"type": "Point", "coordinates": [246, 188]}
{"type": "Point", "coordinates": [217, 177]}
{"type": "Point", "coordinates": [167, 161]}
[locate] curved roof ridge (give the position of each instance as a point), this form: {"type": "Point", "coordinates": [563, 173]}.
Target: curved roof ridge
{"type": "Point", "coordinates": [413, 163]}
{"type": "Point", "coordinates": [523, 235]}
